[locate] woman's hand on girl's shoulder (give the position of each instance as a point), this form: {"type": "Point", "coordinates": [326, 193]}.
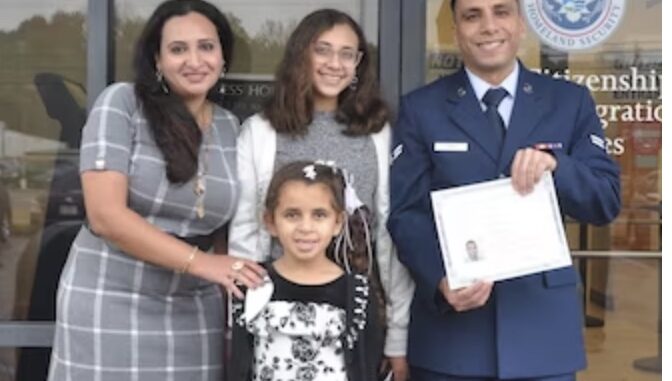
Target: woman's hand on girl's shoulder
{"type": "Point", "coordinates": [229, 271]}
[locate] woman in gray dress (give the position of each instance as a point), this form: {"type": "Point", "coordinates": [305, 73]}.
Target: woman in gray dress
{"type": "Point", "coordinates": [140, 295]}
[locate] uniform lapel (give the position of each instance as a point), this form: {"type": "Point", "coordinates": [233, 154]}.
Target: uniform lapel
{"type": "Point", "coordinates": [468, 115]}
{"type": "Point", "coordinates": [528, 110]}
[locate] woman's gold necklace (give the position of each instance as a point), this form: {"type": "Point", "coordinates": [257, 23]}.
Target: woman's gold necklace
{"type": "Point", "coordinates": [200, 183]}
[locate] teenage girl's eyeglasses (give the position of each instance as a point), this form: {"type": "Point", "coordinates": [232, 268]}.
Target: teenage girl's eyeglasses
{"type": "Point", "coordinates": [347, 56]}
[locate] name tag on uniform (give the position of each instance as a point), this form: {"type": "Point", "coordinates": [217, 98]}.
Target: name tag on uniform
{"type": "Point", "coordinates": [451, 146]}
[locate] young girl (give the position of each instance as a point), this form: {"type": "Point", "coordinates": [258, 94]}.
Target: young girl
{"type": "Point", "coordinates": [326, 106]}
{"type": "Point", "coordinates": [311, 320]}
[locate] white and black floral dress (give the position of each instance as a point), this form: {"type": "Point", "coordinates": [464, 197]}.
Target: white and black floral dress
{"type": "Point", "coordinates": [304, 333]}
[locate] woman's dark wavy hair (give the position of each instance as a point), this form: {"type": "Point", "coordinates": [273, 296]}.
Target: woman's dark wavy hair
{"type": "Point", "coordinates": [174, 128]}
{"type": "Point", "coordinates": [290, 108]}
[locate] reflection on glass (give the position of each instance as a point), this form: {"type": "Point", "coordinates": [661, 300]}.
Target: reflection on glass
{"type": "Point", "coordinates": [41, 113]}
{"type": "Point", "coordinates": [624, 75]}
{"type": "Point", "coordinates": [261, 28]}
{"type": "Point", "coordinates": [630, 315]}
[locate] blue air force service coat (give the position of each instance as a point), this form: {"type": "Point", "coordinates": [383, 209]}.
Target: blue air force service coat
{"type": "Point", "coordinates": [530, 326]}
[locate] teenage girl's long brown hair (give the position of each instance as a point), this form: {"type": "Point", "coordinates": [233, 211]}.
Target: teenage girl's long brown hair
{"type": "Point", "coordinates": [290, 108]}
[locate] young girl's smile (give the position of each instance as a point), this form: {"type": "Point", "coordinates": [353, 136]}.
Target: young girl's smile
{"type": "Point", "coordinates": [305, 220]}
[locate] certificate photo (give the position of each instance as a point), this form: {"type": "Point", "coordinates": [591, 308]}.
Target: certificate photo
{"type": "Point", "coordinates": [488, 231]}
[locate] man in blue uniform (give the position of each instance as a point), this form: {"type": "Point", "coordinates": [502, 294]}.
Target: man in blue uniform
{"type": "Point", "coordinates": [494, 118]}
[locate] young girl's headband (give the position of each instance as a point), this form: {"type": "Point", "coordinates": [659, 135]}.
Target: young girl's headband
{"type": "Point", "coordinates": [352, 201]}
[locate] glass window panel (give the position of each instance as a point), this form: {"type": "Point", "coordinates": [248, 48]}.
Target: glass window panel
{"type": "Point", "coordinates": [42, 110]}
{"type": "Point", "coordinates": [624, 75]}
{"type": "Point", "coordinates": [628, 317]}
{"type": "Point", "coordinates": [261, 29]}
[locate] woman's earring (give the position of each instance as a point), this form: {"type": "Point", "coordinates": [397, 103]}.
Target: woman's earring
{"type": "Point", "coordinates": [353, 83]}
{"type": "Point", "coordinates": [222, 89]}
{"type": "Point", "coordinates": [162, 83]}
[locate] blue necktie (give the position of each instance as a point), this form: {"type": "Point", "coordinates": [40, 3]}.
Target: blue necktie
{"type": "Point", "coordinates": [492, 99]}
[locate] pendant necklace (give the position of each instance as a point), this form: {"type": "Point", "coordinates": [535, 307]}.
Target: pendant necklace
{"type": "Point", "coordinates": [200, 183]}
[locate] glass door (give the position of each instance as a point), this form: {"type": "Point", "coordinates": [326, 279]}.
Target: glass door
{"type": "Point", "coordinates": [42, 109]}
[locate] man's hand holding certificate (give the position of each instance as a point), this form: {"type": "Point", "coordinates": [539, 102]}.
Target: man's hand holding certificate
{"type": "Point", "coordinates": [488, 231]}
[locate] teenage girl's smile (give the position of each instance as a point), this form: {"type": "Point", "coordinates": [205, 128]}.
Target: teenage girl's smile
{"type": "Point", "coordinates": [334, 59]}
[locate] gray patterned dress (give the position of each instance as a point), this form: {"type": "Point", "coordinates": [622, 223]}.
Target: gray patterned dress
{"type": "Point", "coordinates": [119, 318]}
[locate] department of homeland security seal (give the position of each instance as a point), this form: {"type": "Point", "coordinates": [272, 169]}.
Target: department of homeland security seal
{"type": "Point", "coordinates": [573, 24]}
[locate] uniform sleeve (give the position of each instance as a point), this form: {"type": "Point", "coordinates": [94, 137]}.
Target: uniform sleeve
{"type": "Point", "coordinates": [107, 137]}
{"type": "Point", "coordinates": [396, 281]}
{"type": "Point", "coordinates": [244, 232]}
{"type": "Point", "coordinates": [586, 178]}
{"type": "Point", "coordinates": [410, 223]}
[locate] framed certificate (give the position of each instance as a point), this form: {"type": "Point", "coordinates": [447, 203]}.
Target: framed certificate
{"type": "Point", "coordinates": [488, 231]}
